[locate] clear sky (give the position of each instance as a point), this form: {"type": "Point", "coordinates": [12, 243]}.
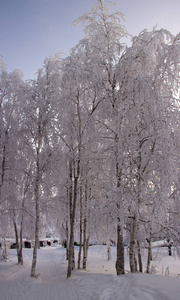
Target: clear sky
{"type": "Point", "coordinates": [31, 30]}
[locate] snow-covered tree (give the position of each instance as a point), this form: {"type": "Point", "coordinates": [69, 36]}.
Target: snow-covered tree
{"type": "Point", "coordinates": [146, 88]}
{"type": "Point", "coordinates": [103, 33]}
{"type": "Point", "coordinates": [10, 123]}
{"type": "Point", "coordinates": [39, 114]}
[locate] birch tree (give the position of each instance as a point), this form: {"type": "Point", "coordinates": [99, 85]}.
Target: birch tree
{"type": "Point", "coordinates": [72, 132]}
{"type": "Point", "coordinates": [10, 86]}
{"type": "Point", "coordinates": [146, 89]}
{"type": "Point", "coordinates": [104, 31]}
{"type": "Point", "coordinates": [39, 129]}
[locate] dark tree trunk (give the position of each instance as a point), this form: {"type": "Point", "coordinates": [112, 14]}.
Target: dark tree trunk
{"type": "Point", "coordinates": [169, 248]}
{"type": "Point", "coordinates": [149, 256]}
{"type": "Point", "coordinates": [139, 257]}
{"type": "Point", "coordinates": [120, 251]}
{"type": "Point", "coordinates": [71, 236]}
{"type": "Point", "coordinates": [16, 236]}
{"type": "Point", "coordinates": [132, 246]}
{"type": "Point", "coordinates": [80, 231]}
{"type": "Point", "coordinates": [4, 250]}
{"type": "Point", "coordinates": [20, 254]}
{"type": "Point", "coordinates": [85, 239]}
{"type": "Point", "coordinates": [71, 260]}
{"type": "Point", "coordinates": [135, 264]}
{"type": "Point", "coordinates": [108, 250]}
{"type": "Point", "coordinates": [36, 244]}
{"type": "Point", "coordinates": [84, 244]}
{"type": "Point", "coordinates": [67, 241]}
{"type": "Point", "coordinates": [37, 199]}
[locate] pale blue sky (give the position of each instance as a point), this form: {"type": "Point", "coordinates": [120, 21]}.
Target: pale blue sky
{"type": "Point", "coordinates": [31, 30]}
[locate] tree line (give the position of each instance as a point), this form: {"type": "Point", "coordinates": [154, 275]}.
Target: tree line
{"type": "Point", "coordinates": [90, 149]}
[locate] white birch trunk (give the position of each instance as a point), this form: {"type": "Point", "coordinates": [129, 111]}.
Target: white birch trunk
{"type": "Point", "coordinates": [37, 186]}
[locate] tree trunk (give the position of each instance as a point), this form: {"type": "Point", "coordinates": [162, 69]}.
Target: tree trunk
{"type": "Point", "coordinates": [70, 253]}
{"type": "Point", "coordinates": [76, 168]}
{"type": "Point", "coordinates": [84, 244]}
{"type": "Point", "coordinates": [71, 260]}
{"type": "Point", "coordinates": [87, 247]}
{"type": "Point", "coordinates": [67, 240]}
{"type": "Point", "coordinates": [132, 246]}
{"type": "Point", "coordinates": [108, 250]}
{"type": "Point", "coordinates": [71, 237]}
{"type": "Point", "coordinates": [135, 264]}
{"type": "Point", "coordinates": [149, 255]}
{"type": "Point", "coordinates": [80, 231]}
{"type": "Point", "coordinates": [4, 250]}
{"type": "Point", "coordinates": [3, 162]}
{"type": "Point", "coordinates": [139, 258]}
{"type": "Point", "coordinates": [169, 250]}
{"type": "Point", "coordinates": [20, 255]}
{"type": "Point", "coordinates": [37, 209]}
{"type": "Point", "coordinates": [169, 247]}
{"type": "Point", "coordinates": [16, 236]}
{"type": "Point", "coordinates": [120, 251]}
{"type": "Point", "coordinates": [34, 261]}
{"type": "Point", "coordinates": [85, 239]}
{"type": "Point", "coordinates": [120, 242]}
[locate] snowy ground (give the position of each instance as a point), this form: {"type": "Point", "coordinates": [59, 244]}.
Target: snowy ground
{"type": "Point", "coordinates": [98, 282]}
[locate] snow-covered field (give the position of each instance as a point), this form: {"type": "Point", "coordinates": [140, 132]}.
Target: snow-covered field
{"type": "Point", "coordinates": [98, 282]}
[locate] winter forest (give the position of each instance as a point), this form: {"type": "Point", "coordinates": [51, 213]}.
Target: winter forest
{"type": "Point", "coordinates": [89, 151]}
